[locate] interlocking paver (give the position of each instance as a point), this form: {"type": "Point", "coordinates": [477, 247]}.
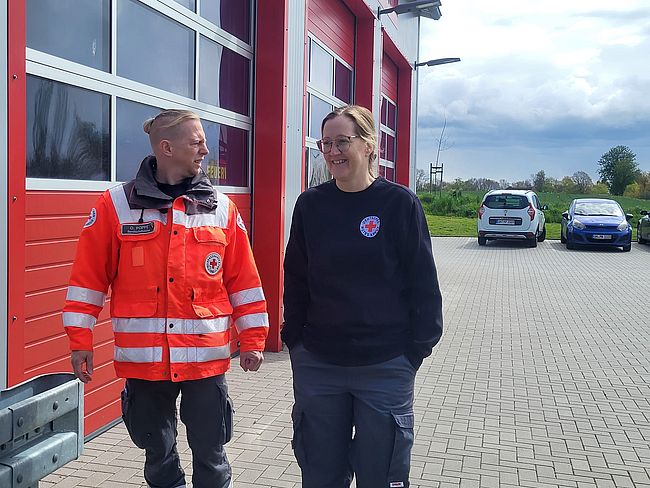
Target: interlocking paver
{"type": "Point", "coordinates": [542, 379]}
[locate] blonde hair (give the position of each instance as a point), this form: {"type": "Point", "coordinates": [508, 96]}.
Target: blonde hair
{"type": "Point", "coordinates": [164, 124]}
{"type": "Point", "coordinates": [364, 123]}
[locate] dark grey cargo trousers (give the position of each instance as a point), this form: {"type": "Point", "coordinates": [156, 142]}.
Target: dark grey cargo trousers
{"type": "Point", "coordinates": [352, 421]}
{"type": "Point", "coordinates": [149, 413]}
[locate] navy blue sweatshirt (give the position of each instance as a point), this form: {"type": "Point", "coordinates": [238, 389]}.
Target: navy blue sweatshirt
{"type": "Point", "coordinates": [360, 283]}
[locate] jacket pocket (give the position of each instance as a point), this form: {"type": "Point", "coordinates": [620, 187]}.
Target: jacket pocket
{"type": "Point", "coordinates": [207, 306]}
{"type": "Point", "coordinates": [137, 302]}
{"type": "Point", "coordinates": [398, 472]}
{"type": "Point", "coordinates": [228, 416]}
{"type": "Point", "coordinates": [210, 235]}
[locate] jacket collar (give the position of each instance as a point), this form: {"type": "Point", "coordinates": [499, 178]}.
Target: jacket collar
{"type": "Point", "coordinates": [146, 194]}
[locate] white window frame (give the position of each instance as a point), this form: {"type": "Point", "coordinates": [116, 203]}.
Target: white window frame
{"type": "Point", "coordinates": [4, 194]}
{"type": "Point", "coordinates": [388, 131]}
{"type": "Point", "coordinates": [109, 83]}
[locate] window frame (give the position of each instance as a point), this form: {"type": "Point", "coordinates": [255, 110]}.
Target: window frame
{"type": "Point", "coordinates": [310, 142]}
{"type": "Point", "coordinates": [388, 131]}
{"type": "Point", "coordinates": [109, 83]}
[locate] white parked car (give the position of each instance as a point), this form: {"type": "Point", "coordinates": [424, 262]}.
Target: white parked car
{"type": "Point", "coordinates": [511, 214]}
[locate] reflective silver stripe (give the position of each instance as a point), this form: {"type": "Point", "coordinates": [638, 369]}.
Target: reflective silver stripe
{"type": "Point", "coordinates": [138, 354]}
{"type": "Point", "coordinates": [126, 215]}
{"type": "Point", "coordinates": [198, 354]}
{"type": "Point", "coordinates": [156, 325]}
{"type": "Point", "coordinates": [171, 325]}
{"type": "Point", "coordinates": [252, 320]}
{"type": "Point", "coordinates": [223, 208]}
{"type": "Point", "coordinates": [245, 297]}
{"type": "Point", "coordinates": [194, 326]}
{"type": "Point", "coordinates": [75, 319]}
{"type": "Point", "coordinates": [199, 220]}
{"type": "Point", "coordinates": [86, 295]}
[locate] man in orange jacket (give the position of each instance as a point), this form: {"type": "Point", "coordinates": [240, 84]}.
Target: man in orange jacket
{"type": "Point", "coordinates": [176, 255]}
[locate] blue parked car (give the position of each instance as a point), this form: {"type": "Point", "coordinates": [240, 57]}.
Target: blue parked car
{"type": "Point", "coordinates": [596, 221]}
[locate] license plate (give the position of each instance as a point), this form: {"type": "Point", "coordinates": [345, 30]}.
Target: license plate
{"type": "Point", "coordinates": [602, 237]}
{"type": "Point", "coordinates": [504, 222]}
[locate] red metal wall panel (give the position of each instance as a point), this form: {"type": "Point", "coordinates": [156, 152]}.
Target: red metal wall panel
{"type": "Point", "coordinates": [389, 78]}
{"type": "Point", "coordinates": [333, 24]}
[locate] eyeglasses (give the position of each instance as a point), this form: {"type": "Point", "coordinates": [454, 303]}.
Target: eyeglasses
{"type": "Point", "coordinates": [342, 144]}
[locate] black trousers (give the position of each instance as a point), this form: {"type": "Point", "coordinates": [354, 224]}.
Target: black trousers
{"type": "Point", "coordinates": [149, 413]}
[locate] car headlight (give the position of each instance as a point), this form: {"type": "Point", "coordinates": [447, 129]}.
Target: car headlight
{"type": "Point", "coordinates": [578, 225]}
{"type": "Point", "coordinates": [623, 226]}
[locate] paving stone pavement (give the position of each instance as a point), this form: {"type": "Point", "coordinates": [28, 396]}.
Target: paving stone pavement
{"type": "Point", "coordinates": [542, 378]}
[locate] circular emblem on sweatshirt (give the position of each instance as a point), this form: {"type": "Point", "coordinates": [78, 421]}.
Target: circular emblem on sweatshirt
{"type": "Point", "coordinates": [92, 218]}
{"type": "Point", "coordinates": [212, 263]}
{"type": "Point", "coordinates": [370, 226]}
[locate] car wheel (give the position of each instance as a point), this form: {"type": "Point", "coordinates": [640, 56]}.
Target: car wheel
{"type": "Point", "coordinates": [562, 238]}
{"type": "Point", "coordinates": [542, 236]}
{"type": "Point", "coordinates": [569, 244]}
{"type": "Point", "coordinates": [482, 241]}
{"type": "Point", "coordinates": [532, 242]}
{"type": "Point", "coordinates": [639, 239]}
{"type": "Point", "coordinates": [627, 247]}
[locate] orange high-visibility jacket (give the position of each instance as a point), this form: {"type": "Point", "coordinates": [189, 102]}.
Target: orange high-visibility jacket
{"type": "Point", "coordinates": [180, 271]}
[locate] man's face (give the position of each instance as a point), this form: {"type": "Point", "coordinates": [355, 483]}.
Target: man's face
{"type": "Point", "coordinates": [188, 148]}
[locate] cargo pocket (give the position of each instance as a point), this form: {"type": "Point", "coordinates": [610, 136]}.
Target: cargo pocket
{"type": "Point", "coordinates": [228, 417]}
{"type": "Point", "coordinates": [298, 442]}
{"type": "Point", "coordinates": [398, 472]}
{"type": "Point", "coordinates": [127, 415]}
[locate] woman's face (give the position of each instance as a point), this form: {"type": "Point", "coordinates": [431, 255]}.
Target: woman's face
{"type": "Point", "coordinates": [346, 165]}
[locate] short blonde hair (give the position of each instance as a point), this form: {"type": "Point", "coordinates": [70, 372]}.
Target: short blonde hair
{"type": "Point", "coordinates": [164, 124]}
{"type": "Point", "coordinates": [364, 123]}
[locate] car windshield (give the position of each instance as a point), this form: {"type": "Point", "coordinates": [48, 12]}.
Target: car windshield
{"type": "Point", "coordinates": [598, 208]}
{"type": "Point", "coordinates": [506, 201]}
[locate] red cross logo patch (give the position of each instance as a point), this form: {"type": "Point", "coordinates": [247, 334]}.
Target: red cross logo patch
{"type": "Point", "coordinates": [212, 263]}
{"type": "Point", "coordinates": [370, 226]}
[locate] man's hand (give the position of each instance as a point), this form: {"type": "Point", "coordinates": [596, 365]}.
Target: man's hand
{"type": "Point", "coordinates": [79, 359]}
{"type": "Point", "coordinates": [251, 360]}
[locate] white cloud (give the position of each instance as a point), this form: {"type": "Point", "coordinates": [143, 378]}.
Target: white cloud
{"type": "Point", "coordinates": [572, 76]}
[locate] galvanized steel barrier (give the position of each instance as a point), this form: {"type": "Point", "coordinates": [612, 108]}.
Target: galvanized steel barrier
{"type": "Point", "coordinates": [41, 428]}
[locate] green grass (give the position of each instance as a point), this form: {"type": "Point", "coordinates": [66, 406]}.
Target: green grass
{"type": "Point", "coordinates": [445, 226]}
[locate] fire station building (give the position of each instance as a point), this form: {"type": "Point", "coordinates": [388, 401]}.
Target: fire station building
{"type": "Point", "coordinates": [81, 76]}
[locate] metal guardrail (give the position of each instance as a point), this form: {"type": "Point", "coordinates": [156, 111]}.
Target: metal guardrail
{"type": "Point", "coordinates": [41, 428]}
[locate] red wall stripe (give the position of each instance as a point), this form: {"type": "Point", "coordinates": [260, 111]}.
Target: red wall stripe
{"type": "Point", "coordinates": [334, 25]}
{"type": "Point", "coordinates": [270, 158]}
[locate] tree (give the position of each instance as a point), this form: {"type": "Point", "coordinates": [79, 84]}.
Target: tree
{"type": "Point", "coordinates": [632, 190]}
{"type": "Point", "coordinates": [521, 185]}
{"type": "Point", "coordinates": [599, 188]}
{"type": "Point", "coordinates": [582, 181]}
{"type": "Point", "coordinates": [503, 184]}
{"type": "Point", "coordinates": [618, 168]}
{"type": "Point", "coordinates": [539, 180]}
{"type": "Point", "coordinates": [421, 180]}
{"type": "Point", "coordinates": [643, 180]}
{"type": "Point", "coordinates": [567, 185]}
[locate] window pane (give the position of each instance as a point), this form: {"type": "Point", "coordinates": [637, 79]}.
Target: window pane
{"type": "Point", "coordinates": [316, 170]}
{"type": "Point", "coordinates": [191, 4]}
{"type": "Point", "coordinates": [77, 30]}
{"type": "Point", "coordinates": [233, 16]}
{"type": "Point", "coordinates": [67, 131]}
{"type": "Point", "coordinates": [382, 146]}
{"type": "Point", "coordinates": [318, 110]}
{"type": "Point", "coordinates": [132, 142]}
{"type": "Point", "coordinates": [321, 68]}
{"type": "Point", "coordinates": [382, 170]}
{"type": "Point", "coordinates": [227, 163]}
{"type": "Point", "coordinates": [392, 116]}
{"type": "Point", "coordinates": [390, 174]}
{"type": "Point", "coordinates": [153, 49]}
{"type": "Point", "coordinates": [224, 77]}
{"type": "Point", "coordinates": [390, 148]}
{"type": "Point", "coordinates": [384, 110]}
{"type": "Point", "coordinates": [343, 89]}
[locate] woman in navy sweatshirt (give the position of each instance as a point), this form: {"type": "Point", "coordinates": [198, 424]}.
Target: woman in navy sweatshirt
{"type": "Point", "coordinates": [362, 309]}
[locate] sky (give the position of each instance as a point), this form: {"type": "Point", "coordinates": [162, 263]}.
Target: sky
{"type": "Point", "coordinates": [541, 86]}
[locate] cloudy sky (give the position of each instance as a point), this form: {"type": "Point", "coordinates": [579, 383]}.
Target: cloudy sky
{"type": "Point", "coordinates": [541, 85]}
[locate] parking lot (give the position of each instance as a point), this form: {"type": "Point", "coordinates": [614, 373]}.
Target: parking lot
{"type": "Point", "coordinates": [542, 378]}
